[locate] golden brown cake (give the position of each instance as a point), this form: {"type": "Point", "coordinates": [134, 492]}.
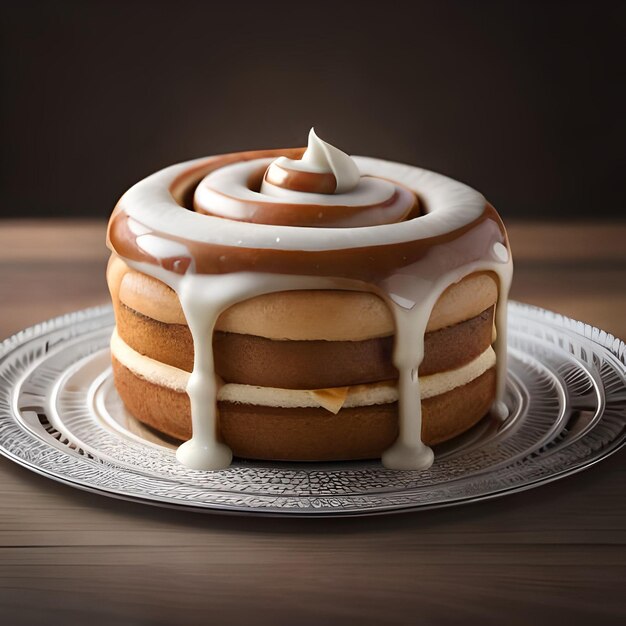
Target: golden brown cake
{"type": "Point", "coordinates": [307, 305]}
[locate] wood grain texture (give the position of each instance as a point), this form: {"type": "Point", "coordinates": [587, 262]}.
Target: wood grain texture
{"type": "Point", "coordinates": [550, 555]}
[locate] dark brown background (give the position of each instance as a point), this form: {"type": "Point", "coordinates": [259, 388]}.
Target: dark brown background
{"type": "Point", "coordinates": [524, 100]}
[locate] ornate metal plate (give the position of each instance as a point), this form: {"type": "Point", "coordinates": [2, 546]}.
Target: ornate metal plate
{"type": "Point", "coordinates": [61, 417]}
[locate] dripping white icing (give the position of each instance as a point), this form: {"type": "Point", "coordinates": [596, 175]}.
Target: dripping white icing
{"type": "Point", "coordinates": [410, 293]}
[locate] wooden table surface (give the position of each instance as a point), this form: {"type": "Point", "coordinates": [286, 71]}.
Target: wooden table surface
{"type": "Point", "coordinates": [555, 554]}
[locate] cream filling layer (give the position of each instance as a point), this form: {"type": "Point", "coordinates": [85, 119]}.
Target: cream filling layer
{"type": "Point", "coordinates": [384, 392]}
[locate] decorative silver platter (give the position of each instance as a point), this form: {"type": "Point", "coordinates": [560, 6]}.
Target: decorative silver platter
{"type": "Point", "coordinates": [61, 417]}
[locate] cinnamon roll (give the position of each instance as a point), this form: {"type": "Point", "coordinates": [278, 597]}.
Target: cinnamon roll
{"type": "Point", "coordinates": [303, 304]}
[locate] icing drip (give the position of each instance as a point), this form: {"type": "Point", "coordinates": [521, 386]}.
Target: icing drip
{"type": "Point", "coordinates": [213, 263]}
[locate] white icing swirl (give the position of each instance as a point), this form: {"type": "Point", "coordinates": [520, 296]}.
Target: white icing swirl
{"type": "Point", "coordinates": [323, 188]}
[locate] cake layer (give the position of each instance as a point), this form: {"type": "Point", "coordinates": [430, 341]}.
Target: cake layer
{"type": "Point", "coordinates": [303, 364]}
{"type": "Point", "coordinates": [373, 393]}
{"type": "Point", "coordinates": [307, 434]}
{"type": "Point", "coordinates": [330, 315]}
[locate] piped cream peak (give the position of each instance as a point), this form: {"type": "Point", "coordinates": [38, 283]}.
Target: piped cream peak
{"type": "Point", "coordinates": [326, 158]}
{"type": "Point", "coordinates": [335, 171]}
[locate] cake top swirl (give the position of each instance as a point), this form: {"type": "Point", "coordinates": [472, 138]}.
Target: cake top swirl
{"type": "Point", "coordinates": [151, 222]}
{"type": "Point", "coordinates": [323, 187]}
